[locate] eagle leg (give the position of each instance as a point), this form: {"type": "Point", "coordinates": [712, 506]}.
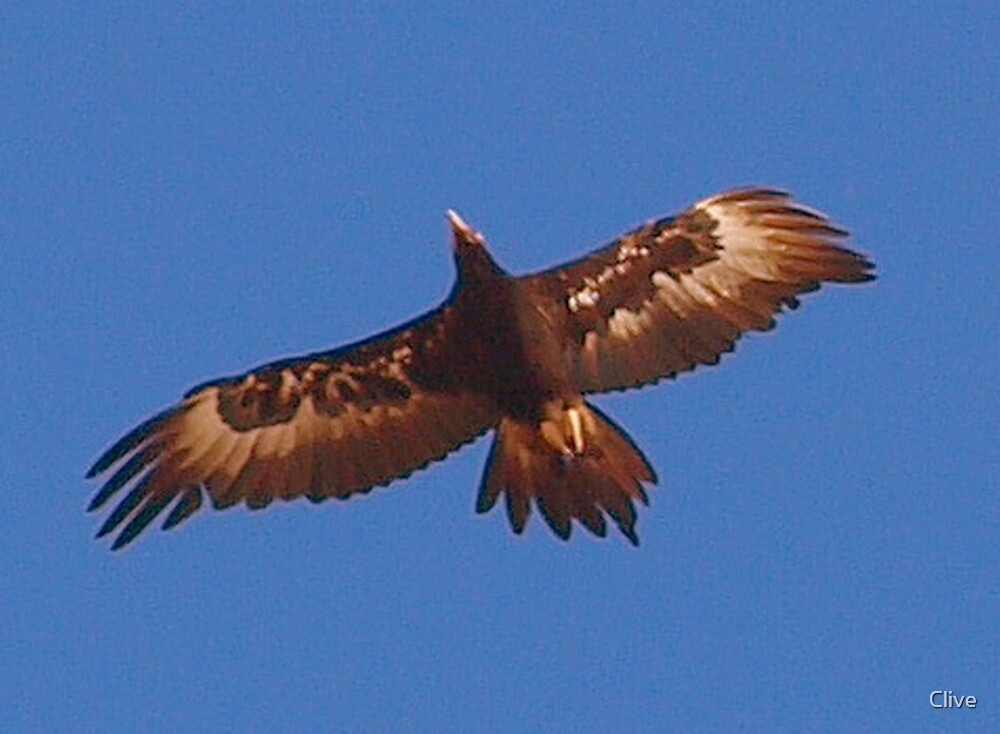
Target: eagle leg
{"type": "Point", "coordinates": [576, 464]}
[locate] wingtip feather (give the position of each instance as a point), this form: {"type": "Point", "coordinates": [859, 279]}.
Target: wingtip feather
{"type": "Point", "coordinates": [127, 443]}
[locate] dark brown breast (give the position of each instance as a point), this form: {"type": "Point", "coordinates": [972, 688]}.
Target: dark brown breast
{"type": "Point", "coordinates": [510, 349]}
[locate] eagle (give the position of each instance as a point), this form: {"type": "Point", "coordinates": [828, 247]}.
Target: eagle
{"type": "Point", "coordinates": [515, 355]}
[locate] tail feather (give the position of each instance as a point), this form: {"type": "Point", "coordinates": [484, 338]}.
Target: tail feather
{"type": "Point", "coordinates": [578, 467]}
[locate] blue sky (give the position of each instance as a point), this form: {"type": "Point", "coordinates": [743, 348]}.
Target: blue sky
{"type": "Point", "coordinates": [188, 191]}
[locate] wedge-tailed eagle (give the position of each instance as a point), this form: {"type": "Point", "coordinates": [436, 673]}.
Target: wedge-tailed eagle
{"type": "Point", "coordinates": [511, 354]}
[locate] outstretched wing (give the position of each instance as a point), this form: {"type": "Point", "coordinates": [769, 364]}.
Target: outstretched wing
{"type": "Point", "coordinates": [678, 292]}
{"type": "Point", "coordinates": [329, 424]}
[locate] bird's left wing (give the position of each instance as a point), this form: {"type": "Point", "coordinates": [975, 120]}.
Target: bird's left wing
{"type": "Point", "coordinates": [678, 292]}
{"type": "Point", "coordinates": [328, 424]}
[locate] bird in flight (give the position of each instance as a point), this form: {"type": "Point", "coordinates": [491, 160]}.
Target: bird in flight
{"type": "Point", "coordinates": [513, 354]}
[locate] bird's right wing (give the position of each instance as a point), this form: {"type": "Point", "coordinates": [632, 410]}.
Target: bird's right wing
{"type": "Point", "coordinates": [328, 424]}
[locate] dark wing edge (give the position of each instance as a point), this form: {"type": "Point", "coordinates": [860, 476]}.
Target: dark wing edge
{"type": "Point", "coordinates": [330, 424]}
{"type": "Point", "coordinates": [678, 292]}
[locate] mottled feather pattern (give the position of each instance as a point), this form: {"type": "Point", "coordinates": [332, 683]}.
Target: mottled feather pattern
{"type": "Point", "coordinates": [512, 353]}
{"type": "Point", "coordinates": [678, 292]}
{"type": "Point", "coordinates": [330, 424]}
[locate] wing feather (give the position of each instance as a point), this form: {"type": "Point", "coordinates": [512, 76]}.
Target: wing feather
{"type": "Point", "coordinates": [329, 424]}
{"type": "Point", "coordinates": [679, 291]}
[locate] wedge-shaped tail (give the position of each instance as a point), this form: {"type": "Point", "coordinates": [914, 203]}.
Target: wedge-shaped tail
{"type": "Point", "coordinates": [576, 464]}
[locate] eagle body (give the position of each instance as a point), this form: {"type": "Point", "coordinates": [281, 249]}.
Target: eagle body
{"type": "Point", "coordinates": [511, 346]}
{"type": "Point", "coordinates": [512, 354]}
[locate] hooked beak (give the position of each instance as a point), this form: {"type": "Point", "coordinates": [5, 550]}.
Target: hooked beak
{"type": "Point", "coordinates": [462, 233]}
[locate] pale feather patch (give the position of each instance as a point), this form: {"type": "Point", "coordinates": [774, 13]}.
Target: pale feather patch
{"type": "Point", "coordinates": [625, 323]}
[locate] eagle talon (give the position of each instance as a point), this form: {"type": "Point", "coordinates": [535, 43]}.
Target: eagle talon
{"type": "Point", "coordinates": [575, 433]}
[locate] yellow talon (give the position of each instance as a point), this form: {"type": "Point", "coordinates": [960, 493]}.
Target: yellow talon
{"type": "Point", "coordinates": [575, 430]}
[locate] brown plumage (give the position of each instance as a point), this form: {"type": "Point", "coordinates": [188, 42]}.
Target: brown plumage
{"type": "Point", "coordinates": [513, 354]}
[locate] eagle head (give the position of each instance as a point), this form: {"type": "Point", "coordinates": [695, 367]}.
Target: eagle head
{"type": "Point", "coordinates": [462, 235]}
{"type": "Point", "coordinates": [469, 246]}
